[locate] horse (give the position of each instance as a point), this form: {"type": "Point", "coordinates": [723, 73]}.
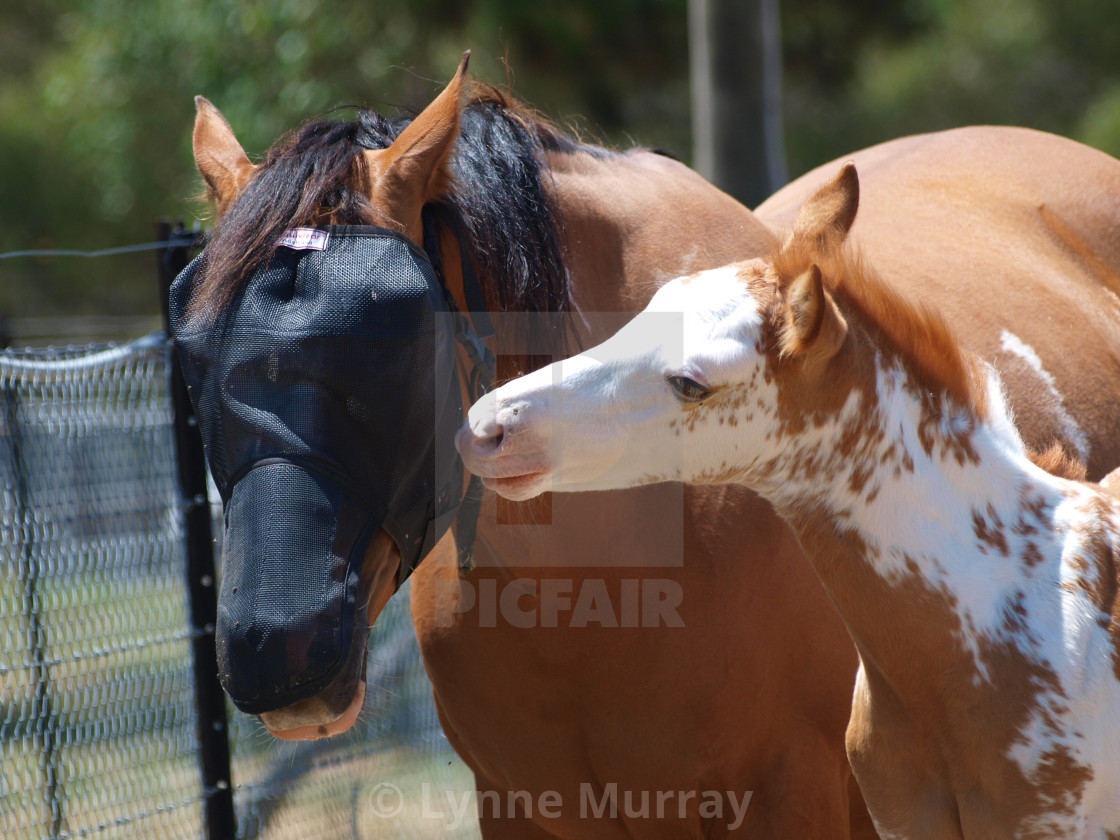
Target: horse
{"type": "Point", "coordinates": [634, 696]}
{"type": "Point", "coordinates": [977, 578]}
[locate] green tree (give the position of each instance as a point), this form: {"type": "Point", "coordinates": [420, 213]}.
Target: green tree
{"type": "Point", "coordinates": [95, 118]}
{"type": "Point", "coordinates": [96, 96]}
{"type": "Point", "coordinates": [889, 69]}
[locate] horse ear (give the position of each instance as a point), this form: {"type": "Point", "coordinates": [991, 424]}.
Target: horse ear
{"type": "Point", "coordinates": [219, 157]}
{"type": "Point", "coordinates": [814, 329]}
{"type": "Point", "coordinates": [414, 169]}
{"type": "Point", "coordinates": [826, 218]}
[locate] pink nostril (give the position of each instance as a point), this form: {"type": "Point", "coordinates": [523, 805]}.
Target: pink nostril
{"type": "Point", "coordinates": [489, 427]}
{"type": "Point", "coordinates": [480, 438]}
{"type": "Point", "coordinates": [489, 439]}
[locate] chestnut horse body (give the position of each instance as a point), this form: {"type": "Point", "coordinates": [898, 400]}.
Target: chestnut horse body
{"type": "Point", "coordinates": [603, 666]}
{"type": "Point", "coordinates": [635, 698]}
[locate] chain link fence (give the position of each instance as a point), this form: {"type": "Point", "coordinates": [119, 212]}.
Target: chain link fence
{"type": "Point", "coordinates": [99, 719]}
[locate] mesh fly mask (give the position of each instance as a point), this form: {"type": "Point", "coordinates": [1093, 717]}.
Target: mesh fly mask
{"type": "Point", "coordinates": [328, 399]}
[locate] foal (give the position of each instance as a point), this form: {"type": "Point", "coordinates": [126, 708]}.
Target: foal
{"type": "Point", "coordinates": [980, 589]}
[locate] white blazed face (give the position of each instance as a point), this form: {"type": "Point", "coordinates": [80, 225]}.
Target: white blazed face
{"type": "Point", "coordinates": [638, 409]}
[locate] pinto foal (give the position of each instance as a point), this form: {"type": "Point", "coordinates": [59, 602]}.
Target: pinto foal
{"type": "Point", "coordinates": [980, 589]}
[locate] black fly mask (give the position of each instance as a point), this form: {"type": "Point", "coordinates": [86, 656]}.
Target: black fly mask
{"type": "Point", "coordinates": [328, 399]}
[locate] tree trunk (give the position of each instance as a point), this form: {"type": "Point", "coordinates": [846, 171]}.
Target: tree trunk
{"type": "Point", "coordinates": [735, 58]}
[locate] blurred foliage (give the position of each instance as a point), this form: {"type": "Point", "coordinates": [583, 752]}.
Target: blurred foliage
{"type": "Point", "coordinates": [924, 65]}
{"type": "Point", "coordinates": [96, 96]}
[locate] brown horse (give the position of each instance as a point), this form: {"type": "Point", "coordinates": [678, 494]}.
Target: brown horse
{"type": "Point", "coordinates": [980, 590]}
{"type": "Point", "coordinates": [591, 656]}
{"type": "Point", "coordinates": [628, 715]}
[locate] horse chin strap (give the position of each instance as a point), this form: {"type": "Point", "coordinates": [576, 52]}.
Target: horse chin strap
{"type": "Point", "coordinates": [481, 375]}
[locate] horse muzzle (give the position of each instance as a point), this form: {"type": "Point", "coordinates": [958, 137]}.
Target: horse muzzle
{"type": "Point", "coordinates": [291, 620]}
{"type": "Point", "coordinates": [329, 713]}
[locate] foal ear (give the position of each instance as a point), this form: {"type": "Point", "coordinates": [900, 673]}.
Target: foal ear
{"type": "Point", "coordinates": [414, 169]}
{"type": "Point", "coordinates": [814, 328]}
{"type": "Point", "coordinates": [219, 157]}
{"type": "Point", "coordinates": [826, 218]}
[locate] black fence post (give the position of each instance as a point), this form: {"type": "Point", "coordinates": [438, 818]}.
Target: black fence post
{"type": "Point", "coordinates": [213, 726]}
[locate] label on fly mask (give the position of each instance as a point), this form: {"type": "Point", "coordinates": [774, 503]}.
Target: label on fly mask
{"type": "Point", "coordinates": [305, 239]}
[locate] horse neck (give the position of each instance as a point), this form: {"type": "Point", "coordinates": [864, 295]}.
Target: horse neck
{"type": "Point", "coordinates": [921, 515]}
{"type": "Point", "coordinates": [635, 220]}
{"type": "Point", "coordinates": [631, 222]}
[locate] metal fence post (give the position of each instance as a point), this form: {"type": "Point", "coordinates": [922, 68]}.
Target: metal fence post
{"type": "Point", "coordinates": [213, 726]}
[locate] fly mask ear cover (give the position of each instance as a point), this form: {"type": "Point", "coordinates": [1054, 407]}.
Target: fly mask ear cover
{"type": "Point", "coordinates": [328, 401]}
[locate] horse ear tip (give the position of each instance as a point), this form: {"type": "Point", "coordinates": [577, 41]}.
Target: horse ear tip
{"type": "Point", "coordinates": [848, 183]}
{"type": "Point", "coordinates": [464, 62]}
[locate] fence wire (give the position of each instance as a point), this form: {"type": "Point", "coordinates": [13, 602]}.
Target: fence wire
{"type": "Point", "coordinates": [97, 709]}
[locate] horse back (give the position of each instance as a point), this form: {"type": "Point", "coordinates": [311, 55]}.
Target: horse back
{"type": "Point", "coordinates": [1012, 234]}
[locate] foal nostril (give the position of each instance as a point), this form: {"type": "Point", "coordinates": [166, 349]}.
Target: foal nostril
{"type": "Point", "coordinates": [490, 439]}
{"type": "Point", "coordinates": [481, 438]}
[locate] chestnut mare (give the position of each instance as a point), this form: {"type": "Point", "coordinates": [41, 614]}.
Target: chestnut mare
{"type": "Point", "coordinates": [591, 656]}
{"type": "Point", "coordinates": [980, 589]}
{"type": "Point", "coordinates": [641, 700]}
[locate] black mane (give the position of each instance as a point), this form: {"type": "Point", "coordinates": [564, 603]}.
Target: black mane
{"type": "Point", "coordinates": [500, 196]}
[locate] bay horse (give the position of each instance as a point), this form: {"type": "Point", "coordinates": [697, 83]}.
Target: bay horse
{"type": "Point", "coordinates": [979, 588]}
{"type": "Point", "coordinates": [600, 716]}
{"type": "Point", "coordinates": [639, 695]}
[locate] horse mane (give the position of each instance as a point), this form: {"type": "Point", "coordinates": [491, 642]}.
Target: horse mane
{"type": "Point", "coordinates": [1060, 463]}
{"type": "Point", "coordinates": [911, 329]}
{"type": "Point", "coordinates": [511, 221]}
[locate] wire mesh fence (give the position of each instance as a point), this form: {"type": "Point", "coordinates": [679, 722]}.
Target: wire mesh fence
{"type": "Point", "coordinates": [98, 714]}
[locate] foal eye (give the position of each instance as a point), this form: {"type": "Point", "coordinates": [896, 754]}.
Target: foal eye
{"type": "Point", "coordinates": [688, 390]}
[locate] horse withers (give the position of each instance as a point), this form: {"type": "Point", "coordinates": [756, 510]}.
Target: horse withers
{"type": "Point", "coordinates": [979, 588]}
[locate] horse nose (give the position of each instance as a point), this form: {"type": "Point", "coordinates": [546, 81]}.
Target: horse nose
{"type": "Point", "coordinates": [482, 434]}
{"type": "Point", "coordinates": [487, 437]}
